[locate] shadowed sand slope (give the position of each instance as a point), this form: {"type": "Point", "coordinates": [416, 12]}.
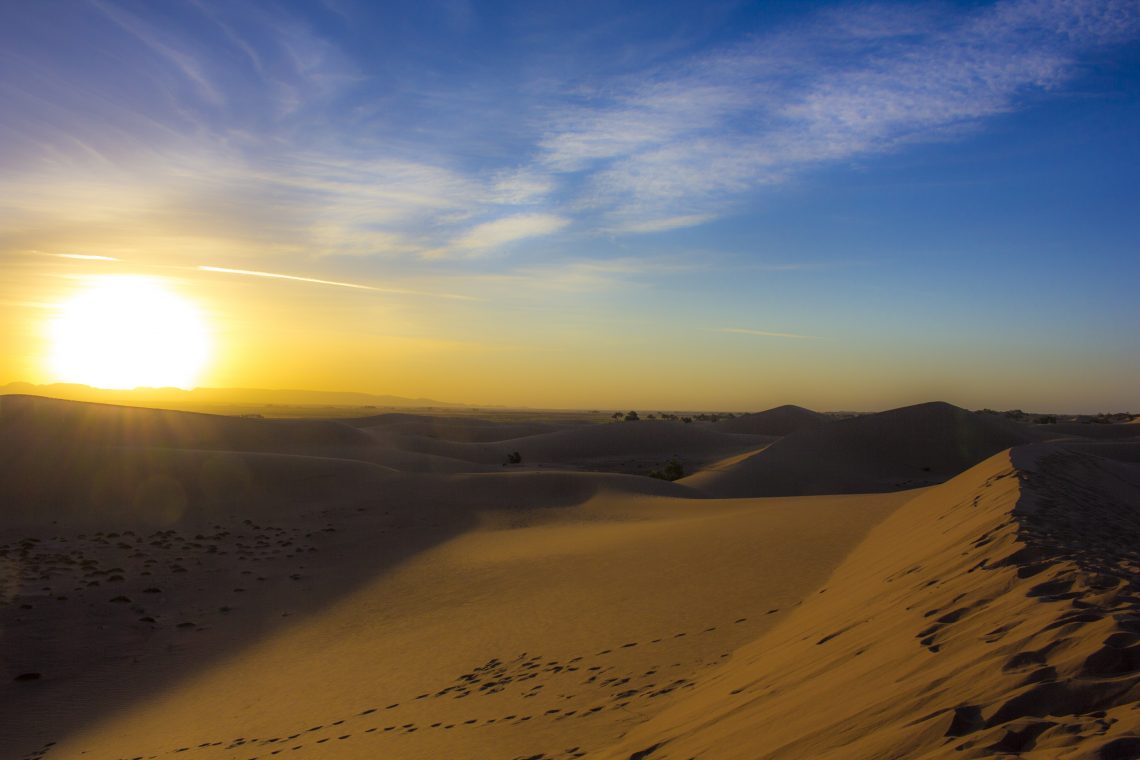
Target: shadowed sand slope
{"type": "Point", "coordinates": [461, 429]}
{"type": "Point", "coordinates": [99, 462]}
{"type": "Point", "coordinates": [591, 443]}
{"type": "Point", "coordinates": [902, 448]}
{"type": "Point", "coordinates": [84, 463]}
{"type": "Point", "coordinates": [782, 420]}
{"type": "Point", "coordinates": [997, 614]}
{"type": "Point", "coordinates": [542, 614]}
{"type": "Point", "coordinates": [69, 423]}
{"type": "Point", "coordinates": [1117, 431]}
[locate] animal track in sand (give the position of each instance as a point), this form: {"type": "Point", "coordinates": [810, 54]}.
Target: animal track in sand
{"type": "Point", "coordinates": [605, 690]}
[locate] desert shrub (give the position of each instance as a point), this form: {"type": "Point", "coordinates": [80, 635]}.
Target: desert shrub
{"type": "Point", "coordinates": [514, 458]}
{"type": "Point", "coordinates": [632, 417]}
{"type": "Point", "coordinates": [673, 470]}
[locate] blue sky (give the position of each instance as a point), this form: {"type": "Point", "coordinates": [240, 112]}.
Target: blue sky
{"type": "Point", "coordinates": [910, 195]}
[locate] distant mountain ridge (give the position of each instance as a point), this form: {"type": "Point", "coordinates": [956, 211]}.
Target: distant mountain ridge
{"type": "Point", "coordinates": [78, 392]}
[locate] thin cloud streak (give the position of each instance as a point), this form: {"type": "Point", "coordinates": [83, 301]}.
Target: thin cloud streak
{"type": "Point", "coordinates": [80, 256]}
{"type": "Point", "coordinates": [764, 333]}
{"type": "Point", "coordinates": [317, 281]}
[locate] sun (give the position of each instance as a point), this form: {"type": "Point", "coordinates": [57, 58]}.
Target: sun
{"type": "Point", "coordinates": [128, 332]}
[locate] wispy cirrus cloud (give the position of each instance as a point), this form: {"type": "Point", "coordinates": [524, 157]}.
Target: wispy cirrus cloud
{"type": "Point", "coordinates": [687, 142]}
{"type": "Point", "coordinates": [246, 121]}
{"type": "Point", "coordinates": [505, 230]}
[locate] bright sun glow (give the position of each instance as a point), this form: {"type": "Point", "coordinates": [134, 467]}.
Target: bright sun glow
{"type": "Point", "coordinates": [128, 332]}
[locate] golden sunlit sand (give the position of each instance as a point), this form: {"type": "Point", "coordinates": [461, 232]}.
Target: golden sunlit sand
{"type": "Point", "coordinates": [192, 585]}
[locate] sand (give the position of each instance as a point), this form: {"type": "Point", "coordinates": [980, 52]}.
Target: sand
{"type": "Point", "coordinates": [780, 421]}
{"type": "Point", "coordinates": [994, 615]}
{"type": "Point", "coordinates": [312, 602]}
{"type": "Point", "coordinates": [911, 447]}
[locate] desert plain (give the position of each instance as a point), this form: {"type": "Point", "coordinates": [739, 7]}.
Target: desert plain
{"type": "Point", "coordinates": [923, 582]}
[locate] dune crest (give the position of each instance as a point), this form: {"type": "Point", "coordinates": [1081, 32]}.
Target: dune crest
{"type": "Point", "coordinates": [909, 447]}
{"type": "Point", "coordinates": [780, 420]}
{"type": "Point", "coordinates": [995, 614]}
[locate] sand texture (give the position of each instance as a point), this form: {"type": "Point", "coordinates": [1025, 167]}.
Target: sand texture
{"type": "Point", "coordinates": [185, 585]}
{"type": "Point", "coordinates": [995, 615]}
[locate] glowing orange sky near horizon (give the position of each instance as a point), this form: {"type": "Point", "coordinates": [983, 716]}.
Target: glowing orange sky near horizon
{"type": "Point", "coordinates": [103, 321]}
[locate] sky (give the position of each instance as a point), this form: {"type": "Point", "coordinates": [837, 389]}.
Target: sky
{"type": "Point", "coordinates": [681, 205]}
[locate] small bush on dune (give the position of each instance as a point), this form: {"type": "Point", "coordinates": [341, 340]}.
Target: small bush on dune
{"type": "Point", "coordinates": [673, 470]}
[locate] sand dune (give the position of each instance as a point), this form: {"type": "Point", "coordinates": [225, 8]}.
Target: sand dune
{"type": "Point", "coordinates": [165, 593]}
{"type": "Point", "coordinates": [98, 464]}
{"type": "Point", "coordinates": [782, 420]}
{"type": "Point", "coordinates": [648, 440]}
{"type": "Point", "coordinates": [1062, 430]}
{"type": "Point", "coordinates": [902, 448]}
{"type": "Point", "coordinates": [124, 486]}
{"type": "Point", "coordinates": [994, 615]}
{"type": "Point", "coordinates": [44, 421]}
{"type": "Point", "coordinates": [508, 615]}
{"type": "Point", "coordinates": [461, 429]}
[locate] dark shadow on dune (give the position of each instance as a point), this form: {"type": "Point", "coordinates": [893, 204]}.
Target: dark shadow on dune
{"type": "Point", "coordinates": [616, 447]}
{"type": "Point", "coordinates": [900, 449]}
{"type": "Point", "coordinates": [1079, 501]}
{"type": "Point", "coordinates": [782, 420]}
{"type": "Point", "coordinates": [96, 497]}
{"type": "Point", "coordinates": [1077, 430]}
